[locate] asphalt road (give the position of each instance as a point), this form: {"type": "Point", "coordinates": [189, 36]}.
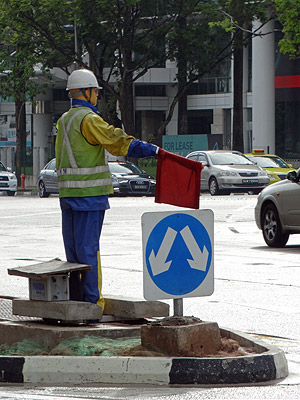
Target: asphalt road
{"type": "Point", "coordinates": [257, 289]}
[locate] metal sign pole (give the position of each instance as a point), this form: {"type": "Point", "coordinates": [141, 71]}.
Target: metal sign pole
{"type": "Point", "coordinates": [178, 307]}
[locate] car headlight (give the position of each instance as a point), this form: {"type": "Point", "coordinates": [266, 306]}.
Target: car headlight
{"type": "Point", "coordinates": [228, 173]}
{"type": "Point", "coordinates": [12, 176]}
{"type": "Point", "coordinates": [114, 179]}
{"type": "Point", "coordinates": [270, 176]}
{"type": "Point", "coordinates": [264, 173]}
{"type": "Point", "coordinates": [122, 180]}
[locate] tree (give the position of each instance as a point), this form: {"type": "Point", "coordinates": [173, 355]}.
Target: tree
{"type": "Point", "coordinates": [125, 36]}
{"type": "Point", "coordinates": [129, 40]}
{"type": "Point", "coordinates": [288, 13]}
{"type": "Point", "coordinates": [21, 51]}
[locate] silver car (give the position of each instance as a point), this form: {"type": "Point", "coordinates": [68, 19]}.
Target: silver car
{"type": "Point", "coordinates": [229, 171]}
{"type": "Point", "coordinates": [47, 180]}
{"type": "Point", "coordinates": [277, 212]}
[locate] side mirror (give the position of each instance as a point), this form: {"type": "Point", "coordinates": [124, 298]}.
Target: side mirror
{"type": "Point", "coordinates": [8, 169]}
{"type": "Point", "coordinates": [292, 176]}
{"type": "Point", "coordinates": [204, 163]}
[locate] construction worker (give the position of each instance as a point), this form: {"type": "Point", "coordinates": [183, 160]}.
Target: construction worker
{"type": "Point", "coordinates": [84, 179]}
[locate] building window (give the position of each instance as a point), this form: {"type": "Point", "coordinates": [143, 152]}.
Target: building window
{"type": "Point", "coordinates": [200, 121]}
{"type": "Point", "coordinates": [147, 122]}
{"type": "Point", "coordinates": [8, 99]}
{"type": "Point", "coordinates": [287, 123]}
{"type": "Point", "coordinates": [217, 81]}
{"type": "Point", "coordinates": [150, 90]}
{"type": "Point", "coordinates": [60, 95]}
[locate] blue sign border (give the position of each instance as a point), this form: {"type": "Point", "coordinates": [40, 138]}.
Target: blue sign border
{"type": "Point", "coordinates": [180, 279]}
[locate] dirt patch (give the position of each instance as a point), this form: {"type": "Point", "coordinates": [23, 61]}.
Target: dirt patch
{"type": "Point", "coordinates": [229, 348]}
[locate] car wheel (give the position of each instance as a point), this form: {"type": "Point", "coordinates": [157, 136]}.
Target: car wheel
{"type": "Point", "coordinates": [213, 187]}
{"type": "Point", "coordinates": [42, 190]}
{"type": "Point", "coordinates": [11, 193]}
{"type": "Point", "coordinates": [271, 227]}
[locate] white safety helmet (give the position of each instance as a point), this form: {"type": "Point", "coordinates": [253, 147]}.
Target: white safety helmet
{"type": "Point", "coordinates": [82, 79]}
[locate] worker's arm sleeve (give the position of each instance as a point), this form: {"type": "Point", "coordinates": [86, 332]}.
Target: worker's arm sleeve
{"type": "Point", "coordinates": [139, 149]}
{"type": "Point", "coordinates": [97, 131]}
{"type": "Point", "coordinates": [114, 140]}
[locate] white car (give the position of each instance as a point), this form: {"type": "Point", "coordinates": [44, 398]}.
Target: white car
{"type": "Point", "coordinates": [8, 180]}
{"type": "Point", "coordinates": [226, 171]}
{"type": "Point", "coordinates": [277, 212]}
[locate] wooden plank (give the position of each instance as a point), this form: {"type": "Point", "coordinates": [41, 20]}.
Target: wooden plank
{"type": "Point", "coordinates": [52, 267]}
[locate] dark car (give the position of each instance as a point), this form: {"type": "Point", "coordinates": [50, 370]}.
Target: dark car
{"type": "Point", "coordinates": [127, 179]}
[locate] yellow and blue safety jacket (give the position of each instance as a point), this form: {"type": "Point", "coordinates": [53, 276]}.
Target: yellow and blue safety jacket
{"type": "Point", "coordinates": [82, 136]}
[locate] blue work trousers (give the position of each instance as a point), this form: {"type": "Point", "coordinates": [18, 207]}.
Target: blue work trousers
{"type": "Point", "coordinates": [81, 234]}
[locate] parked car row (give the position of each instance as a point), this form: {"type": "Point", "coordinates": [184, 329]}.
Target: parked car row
{"type": "Point", "coordinates": [277, 212]}
{"type": "Point", "coordinates": [8, 180]}
{"type": "Point", "coordinates": [127, 179]}
{"type": "Point", "coordinates": [223, 172]}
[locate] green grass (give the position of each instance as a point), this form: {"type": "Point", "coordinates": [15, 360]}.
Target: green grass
{"type": "Point", "coordinates": [148, 165]}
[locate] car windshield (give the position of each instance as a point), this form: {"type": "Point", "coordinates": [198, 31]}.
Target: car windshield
{"type": "Point", "coordinates": [124, 168]}
{"type": "Point", "coordinates": [2, 168]}
{"type": "Point", "coordinates": [229, 159]}
{"type": "Point", "coordinates": [268, 162]}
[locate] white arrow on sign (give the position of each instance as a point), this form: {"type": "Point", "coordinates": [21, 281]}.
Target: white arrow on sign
{"type": "Point", "coordinates": [200, 258]}
{"type": "Point", "coordinates": [158, 262]}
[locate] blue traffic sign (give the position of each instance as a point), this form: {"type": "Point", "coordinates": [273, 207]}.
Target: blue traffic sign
{"type": "Point", "coordinates": [178, 254]}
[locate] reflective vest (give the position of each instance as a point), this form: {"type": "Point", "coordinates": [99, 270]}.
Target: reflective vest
{"type": "Point", "coordinates": [82, 168]}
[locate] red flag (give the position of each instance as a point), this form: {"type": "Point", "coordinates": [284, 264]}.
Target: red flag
{"type": "Point", "coordinates": [177, 180]}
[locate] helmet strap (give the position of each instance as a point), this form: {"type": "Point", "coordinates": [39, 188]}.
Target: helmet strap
{"type": "Point", "coordinates": [80, 92]}
{"type": "Point", "coordinates": [89, 100]}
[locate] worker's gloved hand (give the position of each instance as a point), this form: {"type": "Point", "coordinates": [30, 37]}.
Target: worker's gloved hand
{"type": "Point", "coordinates": [139, 149]}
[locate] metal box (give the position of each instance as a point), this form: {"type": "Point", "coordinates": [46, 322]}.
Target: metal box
{"type": "Point", "coordinates": [50, 288]}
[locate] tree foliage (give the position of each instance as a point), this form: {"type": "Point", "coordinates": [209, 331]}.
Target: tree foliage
{"type": "Point", "coordinates": [288, 13]}
{"type": "Point", "coordinates": [19, 54]}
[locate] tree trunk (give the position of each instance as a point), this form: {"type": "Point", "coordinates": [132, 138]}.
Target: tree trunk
{"type": "Point", "coordinates": [237, 130]}
{"type": "Point", "coordinates": [238, 140]}
{"type": "Point", "coordinates": [126, 104]}
{"type": "Point", "coordinates": [20, 137]}
{"type": "Point", "coordinates": [182, 124]}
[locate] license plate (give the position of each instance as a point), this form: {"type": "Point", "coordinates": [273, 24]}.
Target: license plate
{"type": "Point", "coordinates": [250, 180]}
{"type": "Point", "coordinates": [140, 187]}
